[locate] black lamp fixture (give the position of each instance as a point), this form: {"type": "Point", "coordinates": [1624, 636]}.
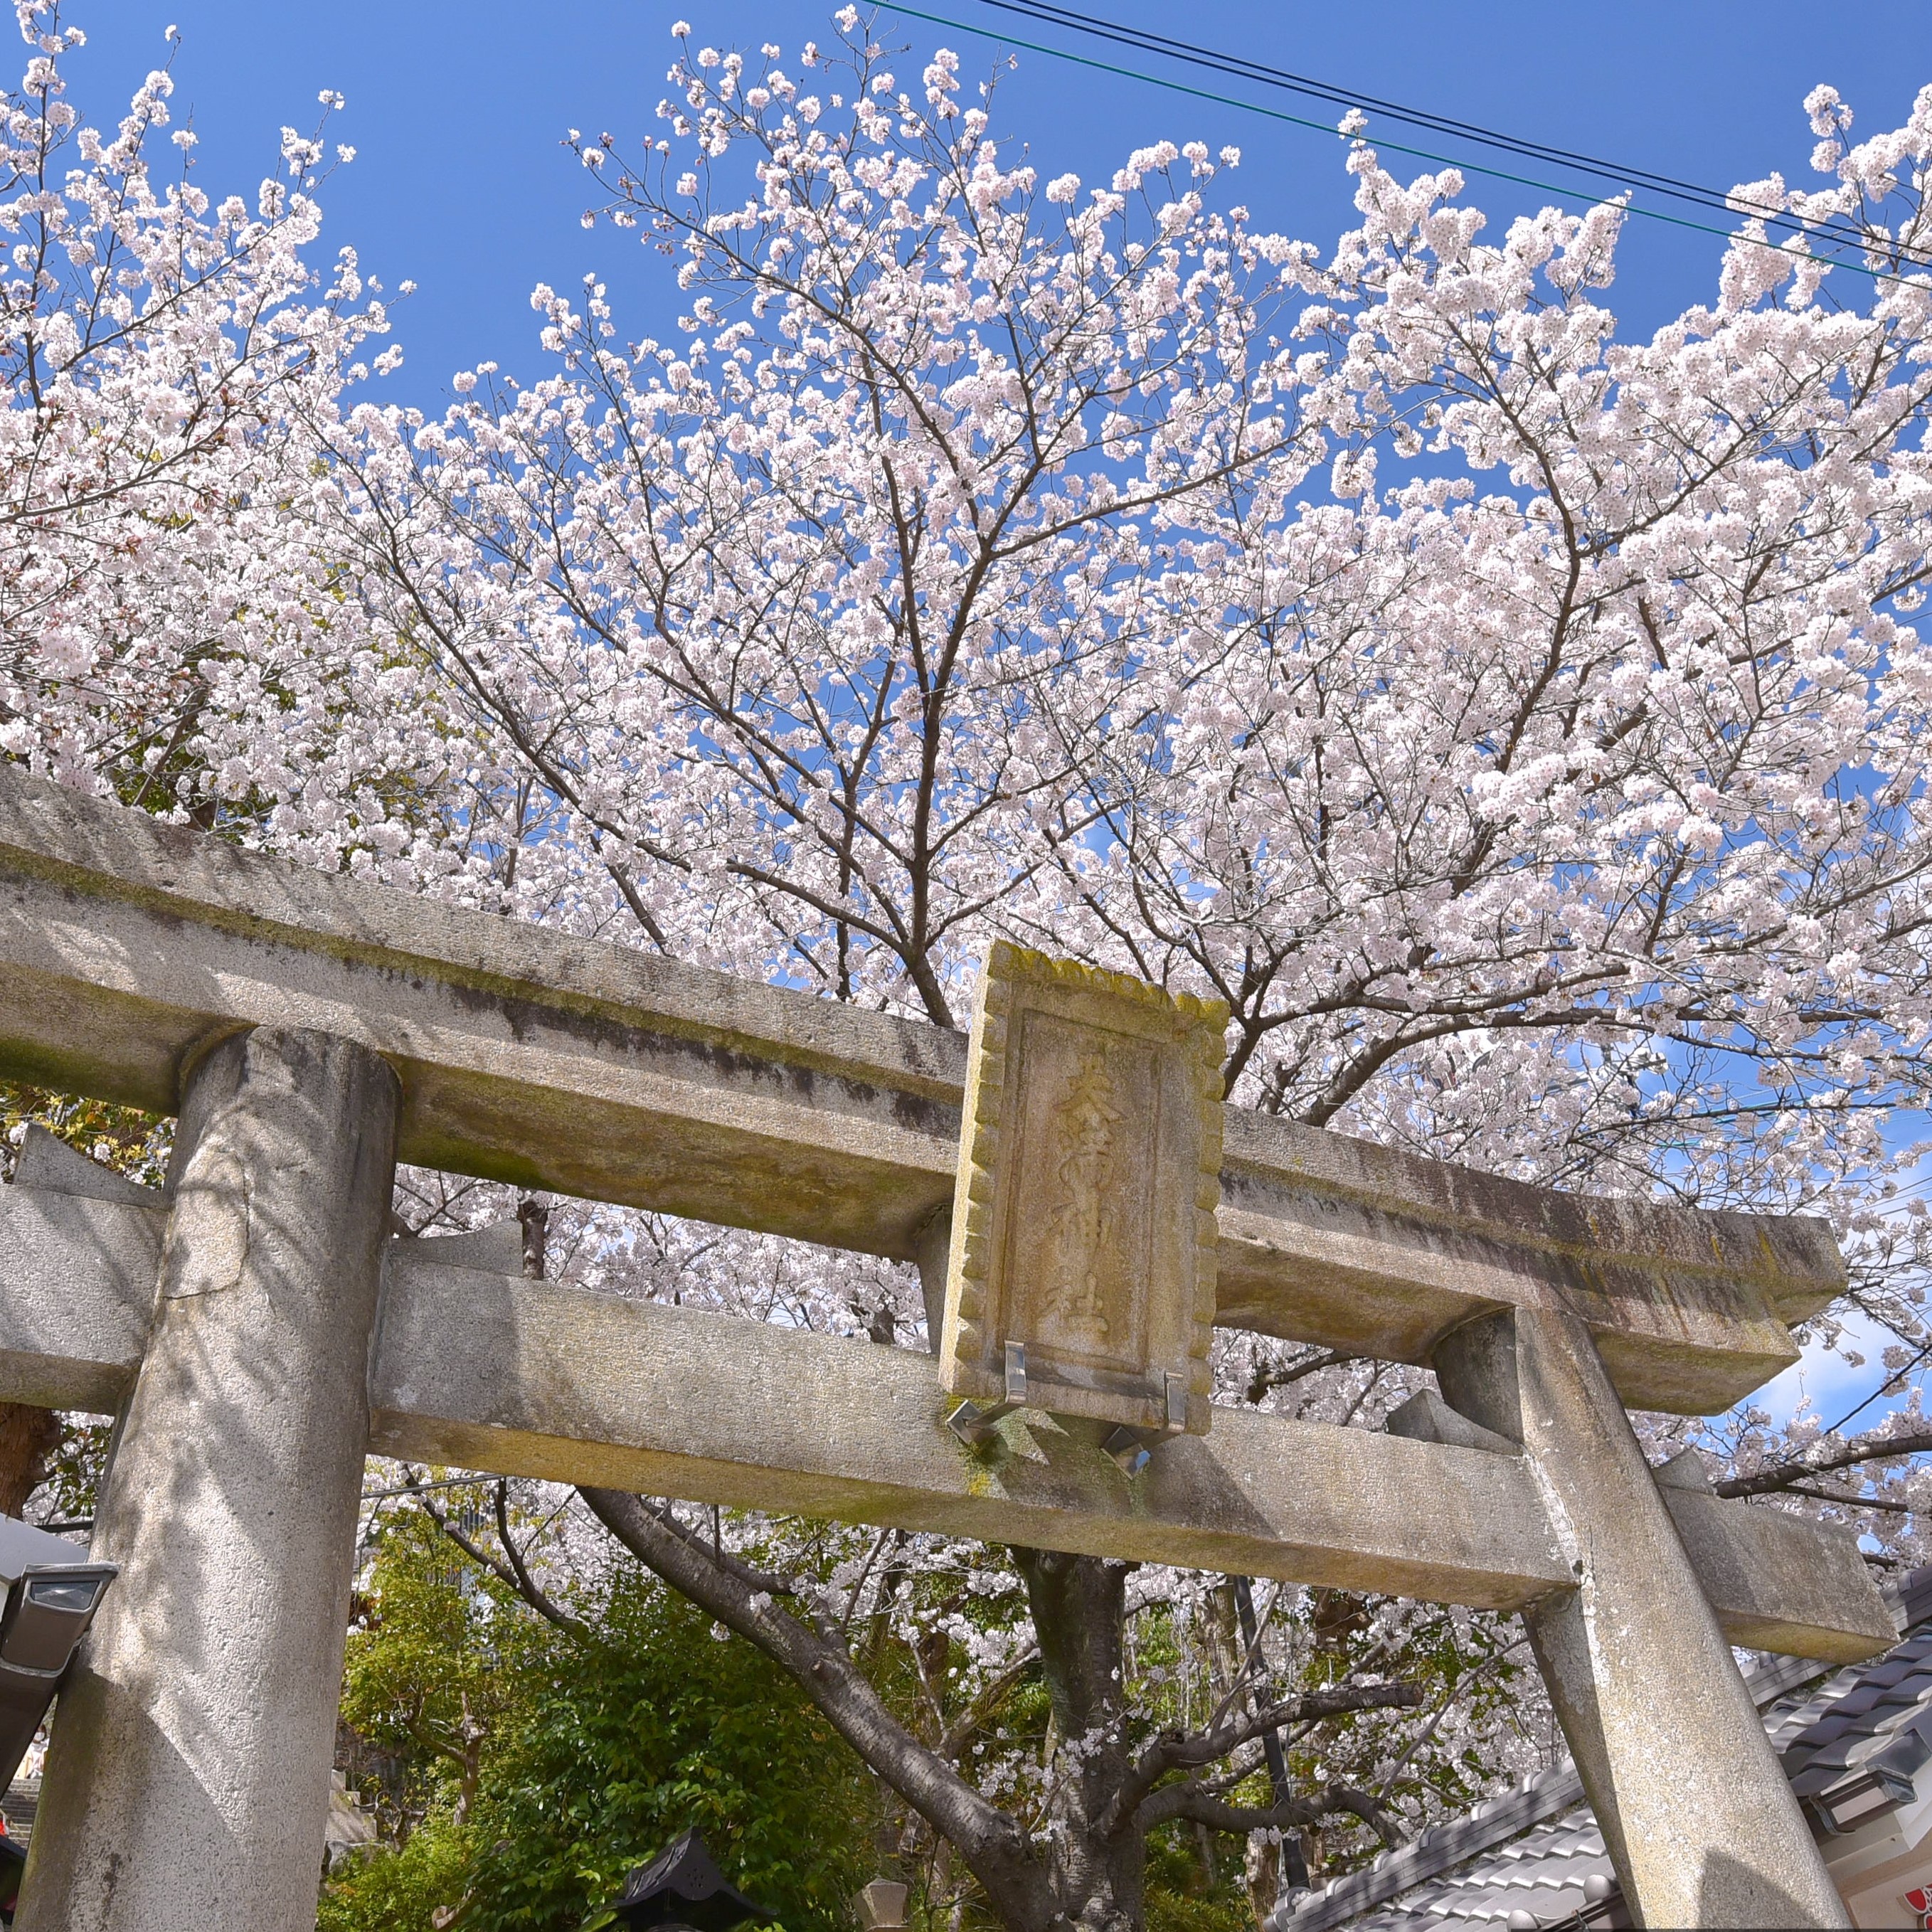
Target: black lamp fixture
{"type": "Point", "coordinates": [681, 1887]}
{"type": "Point", "coordinates": [52, 1593]}
{"type": "Point", "coordinates": [51, 1596]}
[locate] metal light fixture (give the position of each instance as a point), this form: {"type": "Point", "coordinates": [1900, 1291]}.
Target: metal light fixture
{"type": "Point", "coordinates": [51, 1599]}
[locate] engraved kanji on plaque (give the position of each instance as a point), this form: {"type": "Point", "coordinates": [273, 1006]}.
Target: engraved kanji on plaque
{"type": "Point", "coordinates": [1081, 1277]}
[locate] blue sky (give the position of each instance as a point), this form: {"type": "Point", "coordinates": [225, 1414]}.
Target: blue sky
{"type": "Point", "coordinates": [457, 111]}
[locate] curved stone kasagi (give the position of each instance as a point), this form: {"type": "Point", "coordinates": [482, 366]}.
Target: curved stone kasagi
{"type": "Point", "coordinates": [526, 1055]}
{"type": "Point", "coordinates": [1378, 1253]}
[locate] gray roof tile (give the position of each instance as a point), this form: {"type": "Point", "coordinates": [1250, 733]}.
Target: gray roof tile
{"type": "Point", "coordinates": [1534, 1849]}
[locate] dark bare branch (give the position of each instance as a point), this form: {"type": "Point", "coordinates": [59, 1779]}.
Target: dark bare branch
{"type": "Point", "coordinates": [1788, 1474]}
{"type": "Point", "coordinates": [514, 1573]}
{"type": "Point", "coordinates": [1195, 1803]}
{"type": "Point", "coordinates": [1175, 1750]}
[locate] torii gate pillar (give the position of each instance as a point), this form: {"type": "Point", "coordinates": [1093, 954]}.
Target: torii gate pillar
{"type": "Point", "coordinates": [1700, 1823]}
{"type": "Point", "coordinates": [187, 1782]}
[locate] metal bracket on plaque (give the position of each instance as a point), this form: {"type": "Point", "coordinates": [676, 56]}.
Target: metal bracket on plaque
{"type": "Point", "coordinates": [1132, 1447]}
{"type": "Point", "coordinates": [973, 1422]}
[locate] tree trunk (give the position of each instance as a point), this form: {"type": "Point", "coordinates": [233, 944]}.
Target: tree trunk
{"type": "Point", "coordinates": [27, 1437]}
{"type": "Point", "coordinates": [992, 1845]}
{"type": "Point", "coordinates": [1079, 1615]}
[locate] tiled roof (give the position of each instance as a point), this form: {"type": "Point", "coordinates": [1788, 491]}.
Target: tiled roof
{"type": "Point", "coordinates": [1830, 1734]}
{"type": "Point", "coordinates": [1534, 1850]}
{"type": "Point", "coordinates": [1544, 1874]}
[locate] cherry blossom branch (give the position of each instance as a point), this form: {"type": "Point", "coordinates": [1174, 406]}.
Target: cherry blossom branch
{"type": "Point", "coordinates": [1785, 1475]}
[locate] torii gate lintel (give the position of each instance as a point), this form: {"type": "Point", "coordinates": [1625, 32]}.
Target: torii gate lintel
{"type": "Point", "coordinates": [152, 964]}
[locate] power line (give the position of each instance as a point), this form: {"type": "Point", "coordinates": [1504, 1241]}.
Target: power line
{"type": "Point", "coordinates": [1389, 147]}
{"type": "Point", "coordinates": [1242, 68]}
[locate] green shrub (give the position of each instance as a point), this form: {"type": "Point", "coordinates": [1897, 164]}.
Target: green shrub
{"type": "Point", "coordinates": [527, 1769]}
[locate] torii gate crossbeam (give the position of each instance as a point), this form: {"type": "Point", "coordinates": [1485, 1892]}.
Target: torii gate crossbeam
{"type": "Point", "coordinates": [309, 1029]}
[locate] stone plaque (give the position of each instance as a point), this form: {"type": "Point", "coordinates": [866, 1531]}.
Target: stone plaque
{"type": "Point", "coordinates": [1080, 1278]}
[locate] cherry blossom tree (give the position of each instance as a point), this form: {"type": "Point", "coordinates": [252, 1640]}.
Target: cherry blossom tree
{"type": "Point", "coordinates": [1523, 730]}
{"type": "Point", "coordinates": [169, 631]}
{"type": "Point", "coordinates": [997, 555]}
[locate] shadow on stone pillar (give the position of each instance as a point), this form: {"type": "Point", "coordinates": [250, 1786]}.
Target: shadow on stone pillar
{"type": "Point", "coordinates": [187, 1784]}
{"type": "Point", "coordinates": [1693, 1805]}
{"type": "Point", "coordinates": [935, 1239]}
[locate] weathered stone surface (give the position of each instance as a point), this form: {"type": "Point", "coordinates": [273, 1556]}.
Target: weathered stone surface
{"type": "Point", "coordinates": [529, 1056]}
{"type": "Point", "coordinates": [187, 1784]}
{"type": "Point", "coordinates": [477, 1365]}
{"type": "Point", "coordinates": [526, 1377]}
{"type": "Point", "coordinates": [529, 1378]}
{"type": "Point", "coordinates": [1775, 1582]}
{"type": "Point", "coordinates": [1698, 1818]}
{"type": "Point", "coordinates": [45, 1161]}
{"type": "Point", "coordinates": [78, 1290]}
{"type": "Point", "coordinates": [1083, 1221]}
{"type": "Point", "coordinates": [1380, 1253]}
{"type": "Point", "coordinates": [526, 1055]}
{"type": "Point", "coordinates": [1771, 1579]}
{"type": "Point", "coordinates": [1426, 1418]}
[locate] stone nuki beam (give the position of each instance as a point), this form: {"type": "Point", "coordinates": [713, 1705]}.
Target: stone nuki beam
{"type": "Point", "coordinates": [483, 1369]}
{"type": "Point", "coordinates": [530, 1057]}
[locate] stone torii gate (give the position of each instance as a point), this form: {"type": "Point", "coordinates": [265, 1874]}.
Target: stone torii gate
{"type": "Point", "coordinates": [1083, 1211]}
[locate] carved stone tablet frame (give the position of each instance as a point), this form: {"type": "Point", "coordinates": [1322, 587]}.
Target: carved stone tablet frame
{"type": "Point", "coordinates": [1084, 1231]}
